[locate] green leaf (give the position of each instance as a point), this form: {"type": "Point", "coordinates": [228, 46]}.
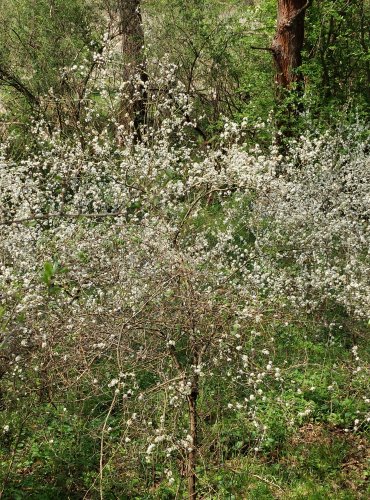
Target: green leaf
{"type": "Point", "coordinates": [48, 272]}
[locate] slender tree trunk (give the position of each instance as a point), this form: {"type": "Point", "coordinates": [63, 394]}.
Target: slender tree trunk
{"type": "Point", "coordinates": [133, 109]}
{"type": "Point", "coordinates": [288, 42]}
{"type": "Point", "coordinates": [192, 455]}
{"type": "Point", "coordinates": [13, 81]}
{"type": "Point", "coordinates": [2, 403]}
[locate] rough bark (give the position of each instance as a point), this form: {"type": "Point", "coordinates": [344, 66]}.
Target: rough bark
{"type": "Point", "coordinates": [288, 43]}
{"type": "Point", "coordinates": [133, 107]}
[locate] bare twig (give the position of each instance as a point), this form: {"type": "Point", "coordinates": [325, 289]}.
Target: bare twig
{"type": "Point", "coordinates": [34, 218]}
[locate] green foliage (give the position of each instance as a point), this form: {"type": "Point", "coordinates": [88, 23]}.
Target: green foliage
{"type": "Point", "coordinates": [41, 38]}
{"type": "Point", "coordinates": [53, 455]}
{"type": "Point", "coordinates": [40, 42]}
{"type": "Point", "coordinates": [337, 66]}
{"type": "Point", "coordinates": [211, 41]}
{"type": "Point", "coordinates": [299, 431]}
{"type": "Point", "coordinates": [57, 449]}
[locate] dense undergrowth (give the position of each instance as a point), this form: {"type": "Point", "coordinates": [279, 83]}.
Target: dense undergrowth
{"type": "Point", "coordinates": [134, 277]}
{"type": "Point", "coordinates": [191, 298]}
{"type": "Point", "coordinates": [56, 446]}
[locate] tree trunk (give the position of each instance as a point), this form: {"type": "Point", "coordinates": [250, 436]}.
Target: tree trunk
{"type": "Point", "coordinates": [288, 43]}
{"type": "Point", "coordinates": [287, 51]}
{"type": "Point", "coordinates": [133, 109]}
{"type": "Point", "coordinates": [192, 455]}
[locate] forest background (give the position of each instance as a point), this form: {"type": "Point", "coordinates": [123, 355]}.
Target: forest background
{"type": "Point", "coordinates": [184, 249]}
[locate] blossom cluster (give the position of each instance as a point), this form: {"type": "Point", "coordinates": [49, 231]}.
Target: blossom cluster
{"type": "Point", "coordinates": [160, 257]}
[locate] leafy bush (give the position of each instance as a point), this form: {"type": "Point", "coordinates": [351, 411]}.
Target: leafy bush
{"type": "Point", "coordinates": [139, 280]}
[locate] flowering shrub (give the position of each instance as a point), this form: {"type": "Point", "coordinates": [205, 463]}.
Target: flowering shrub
{"type": "Point", "coordinates": [150, 280]}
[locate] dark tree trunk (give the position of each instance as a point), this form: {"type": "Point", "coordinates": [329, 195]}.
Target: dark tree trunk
{"type": "Point", "coordinates": [287, 52]}
{"type": "Point", "coordinates": [192, 455]}
{"type": "Point", "coordinates": [288, 43]}
{"type": "Point", "coordinates": [7, 78]}
{"type": "Point", "coordinates": [133, 108]}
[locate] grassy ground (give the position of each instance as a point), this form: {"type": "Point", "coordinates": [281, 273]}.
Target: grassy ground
{"type": "Point", "coordinates": [315, 446]}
